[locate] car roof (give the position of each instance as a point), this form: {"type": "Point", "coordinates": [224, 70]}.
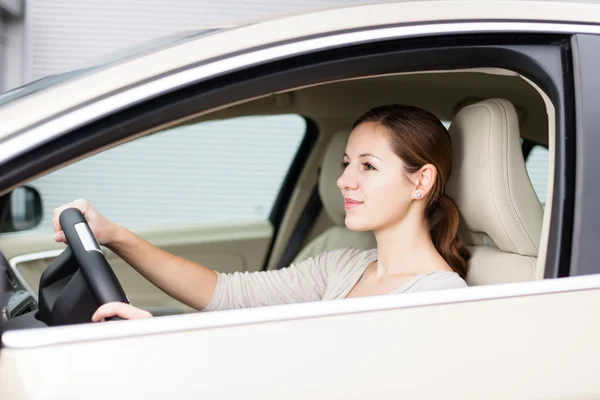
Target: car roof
{"type": "Point", "coordinates": [55, 100]}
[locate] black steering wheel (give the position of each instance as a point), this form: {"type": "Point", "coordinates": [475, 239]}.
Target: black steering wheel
{"type": "Point", "coordinates": [98, 274]}
{"type": "Point", "coordinates": [80, 279]}
{"type": "Point", "coordinates": [75, 283]}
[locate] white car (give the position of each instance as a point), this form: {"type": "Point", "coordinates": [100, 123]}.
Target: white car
{"type": "Point", "coordinates": [506, 76]}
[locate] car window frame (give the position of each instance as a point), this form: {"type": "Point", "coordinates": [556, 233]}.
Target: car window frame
{"type": "Point", "coordinates": [586, 96]}
{"type": "Point", "coordinates": [53, 127]}
{"type": "Point", "coordinates": [520, 57]}
{"type": "Point", "coordinates": [108, 60]}
{"type": "Point", "coordinates": [414, 54]}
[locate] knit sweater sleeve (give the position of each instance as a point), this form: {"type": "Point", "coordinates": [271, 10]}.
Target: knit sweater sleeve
{"type": "Point", "coordinates": [305, 281]}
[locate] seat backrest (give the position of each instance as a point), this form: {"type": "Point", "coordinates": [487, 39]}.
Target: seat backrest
{"type": "Point", "coordinates": [338, 235]}
{"type": "Point", "coordinates": [501, 215]}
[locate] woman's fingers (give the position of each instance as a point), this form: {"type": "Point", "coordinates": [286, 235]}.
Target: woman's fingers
{"type": "Point", "coordinates": [102, 228]}
{"type": "Point", "coordinates": [55, 214]}
{"type": "Point", "coordinates": [60, 237]}
{"type": "Point", "coordinates": [81, 204]}
{"type": "Point", "coordinates": [122, 310]}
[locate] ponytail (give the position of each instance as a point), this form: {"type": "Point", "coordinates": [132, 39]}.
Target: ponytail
{"type": "Point", "coordinates": [418, 138]}
{"type": "Point", "coordinates": [443, 227]}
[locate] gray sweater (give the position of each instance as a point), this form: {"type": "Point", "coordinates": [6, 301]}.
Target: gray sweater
{"type": "Point", "coordinates": [328, 276]}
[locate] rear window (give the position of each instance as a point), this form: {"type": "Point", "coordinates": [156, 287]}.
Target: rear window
{"type": "Point", "coordinates": [537, 168]}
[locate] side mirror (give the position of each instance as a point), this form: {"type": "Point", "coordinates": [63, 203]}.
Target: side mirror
{"type": "Point", "coordinates": [20, 210]}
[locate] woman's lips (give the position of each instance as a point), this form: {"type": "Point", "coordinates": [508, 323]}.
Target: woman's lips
{"type": "Point", "coordinates": [350, 203]}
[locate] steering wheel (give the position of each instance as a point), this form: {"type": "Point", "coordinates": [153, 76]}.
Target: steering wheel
{"type": "Point", "coordinates": [75, 283]}
{"type": "Point", "coordinates": [98, 274]}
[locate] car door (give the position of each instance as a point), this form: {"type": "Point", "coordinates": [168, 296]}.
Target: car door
{"type": "Point", "coordinates": [527, 339]}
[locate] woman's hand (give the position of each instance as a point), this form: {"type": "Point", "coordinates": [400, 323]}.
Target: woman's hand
{"type": "Point", "coordinates": [104, 230]}
{"type": "Point", "coordinates": [122, 310]}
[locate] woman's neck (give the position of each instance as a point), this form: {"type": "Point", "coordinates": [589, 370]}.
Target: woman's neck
{"type": "Point", "coordinates": [406, 248]}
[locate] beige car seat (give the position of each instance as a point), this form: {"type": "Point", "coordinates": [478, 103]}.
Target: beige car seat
{"type": "Point", "coordinates": [501, 213]}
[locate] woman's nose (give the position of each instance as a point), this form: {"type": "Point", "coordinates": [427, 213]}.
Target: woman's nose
{"type": "Point", "coordinates": [347, 180]}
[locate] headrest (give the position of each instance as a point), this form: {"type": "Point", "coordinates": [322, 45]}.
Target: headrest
{"type": "Point", "coordinates": [333, 201]}
{"type": "Point", "coordinates": [489, 181]}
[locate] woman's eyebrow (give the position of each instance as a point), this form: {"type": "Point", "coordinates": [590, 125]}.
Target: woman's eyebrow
{"type": "Point", "coordinates": [369, 155]}
{"type": "Point", "coordinates": [364, 155]}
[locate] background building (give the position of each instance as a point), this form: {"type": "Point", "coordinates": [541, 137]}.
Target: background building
{"type": "Point", "coordinates": [12, 43]}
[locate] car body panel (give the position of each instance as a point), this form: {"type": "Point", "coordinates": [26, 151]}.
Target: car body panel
{"type": "Point", "coordinates": [492, 348]}
{"type": "Point", "coordinates": [523, 340]}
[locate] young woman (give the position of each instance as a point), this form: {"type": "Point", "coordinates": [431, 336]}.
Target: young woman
{"type": "Point", "coordinates": [393, 176]}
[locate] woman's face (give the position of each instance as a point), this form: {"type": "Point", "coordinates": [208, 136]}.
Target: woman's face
{"type": "Point", "coordinates": [377, 191]}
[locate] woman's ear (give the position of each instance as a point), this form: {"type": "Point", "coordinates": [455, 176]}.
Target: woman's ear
{"type": "Point", "coordinates": [425, 178]}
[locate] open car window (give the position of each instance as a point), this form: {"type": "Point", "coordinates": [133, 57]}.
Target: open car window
{"type": "Point", "coordinates": [183, 175]}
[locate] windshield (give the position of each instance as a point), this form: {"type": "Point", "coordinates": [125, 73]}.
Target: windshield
{"type": "Point", "coordinates": [109, 59]}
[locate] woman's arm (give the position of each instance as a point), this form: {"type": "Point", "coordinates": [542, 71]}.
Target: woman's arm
{"type": "Point", "coordinates": [191, 283]}
{"type": "Point", "coordinates": [186, 281]}
{"type": "Point", "coordinates": [196, 285]}
{"type": "Point", "coordinates": [305, 281]}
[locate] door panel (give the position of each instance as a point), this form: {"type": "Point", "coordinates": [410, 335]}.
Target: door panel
{"type": "Point", "coordinates": [532, 346]}
{"type": "Point", "coordinates": [225, 247]}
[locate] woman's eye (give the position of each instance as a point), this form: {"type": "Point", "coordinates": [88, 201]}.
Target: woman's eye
{"type": "Point", "coordinates": [344, 164]}
{"type": "Point", "coordinates": [368, 167]}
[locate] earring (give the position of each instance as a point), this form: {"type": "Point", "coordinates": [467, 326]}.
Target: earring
{"type": "Point", "coordinates": [418, 195]}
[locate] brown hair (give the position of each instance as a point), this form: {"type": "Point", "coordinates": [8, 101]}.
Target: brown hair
{"type": "Point", "coordinates": [418, 138]}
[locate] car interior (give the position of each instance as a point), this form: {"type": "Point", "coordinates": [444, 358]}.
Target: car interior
{"type": "Point", "coordinates": [501, 212]}
{"type": "Point", "coordinates": [491, 112]}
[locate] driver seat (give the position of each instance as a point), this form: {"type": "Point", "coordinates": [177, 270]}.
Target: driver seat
{"type": "Point", "coordinates": [501, 214]}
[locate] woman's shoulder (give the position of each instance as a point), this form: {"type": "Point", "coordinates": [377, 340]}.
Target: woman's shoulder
{"type": "Point", "coordinates": [435, 280]}
{"type": "Point", "coordinates": [347, 254]}
{"type": "Point", "coordinates": [345, 258]}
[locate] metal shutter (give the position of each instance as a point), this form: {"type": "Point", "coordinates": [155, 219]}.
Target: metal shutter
{"type": "Point", "coordinates": [2, 56]}
{"type": "Point", "coordinates": [65, 33]}
{"type": "Point", "coordinates": [218, 171]}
